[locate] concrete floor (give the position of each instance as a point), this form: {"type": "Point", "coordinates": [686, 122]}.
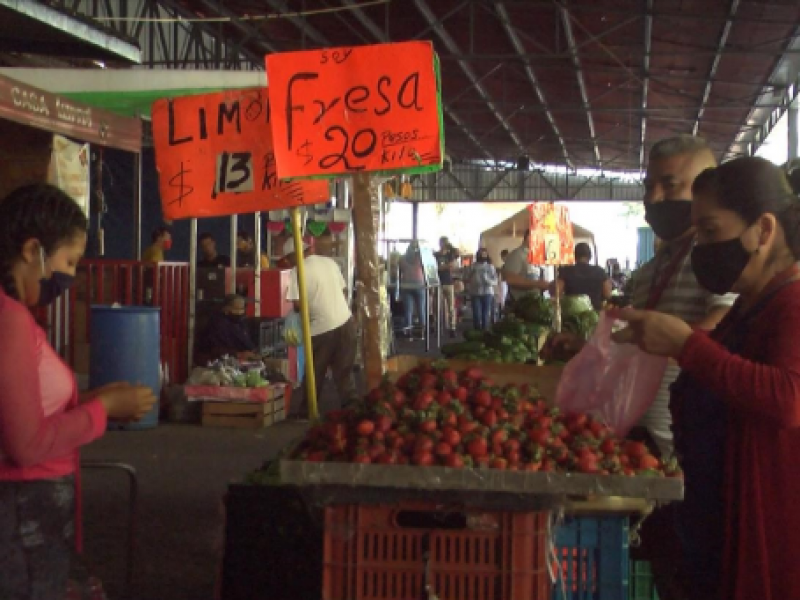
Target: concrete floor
{"type": "Point", "coordinates": [183, 473]}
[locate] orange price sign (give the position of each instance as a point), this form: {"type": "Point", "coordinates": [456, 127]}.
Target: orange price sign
{"type": "Point", "coordinates": [551, 239]}
{"type": "Point", "coordinates": [215, 157]}
{"type": "Point", "coordinates": [351, 110]}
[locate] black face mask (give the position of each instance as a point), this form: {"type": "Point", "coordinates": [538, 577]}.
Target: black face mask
{"type": "Point", "coordinates": [51, 289]}
{"type": "Point", "coordinates": [54, 286]}
{"type": "Point", "coordinates": [719, 265]}
{"type": "Point", "coordinates": [670, 219]}
{"type": "Point", "coordinates": [236, 319]}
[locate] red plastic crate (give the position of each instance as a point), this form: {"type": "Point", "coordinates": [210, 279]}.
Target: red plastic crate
{"type": "Point", "coordinates": [411, 551]}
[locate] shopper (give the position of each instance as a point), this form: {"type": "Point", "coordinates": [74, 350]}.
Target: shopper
{"type": "Point", "coordinates": [334, 336]}
{"type": "Point", "coordinates": [225, 333]}
{"type": "Point", "coordinates": [210, 258]}
{"type": "Point", "coordinates": [162, 242]}
{"type": "Point", "coordinates": [668, 284]}
{"type": "Point", "coordinates": [482, 284]}
{"type": "Point", "coordinates": [518, 275]}
{"type": "Point", "coordinates": [446, 259]}
{"type": "Point", "coordinates": [584, 278]}
{"type": "Point", "coordinates": [42, 420]}
{"type": "Point", "coordinates": [413, 292]}
{"type": "Point", "coordinates": [736, 405]}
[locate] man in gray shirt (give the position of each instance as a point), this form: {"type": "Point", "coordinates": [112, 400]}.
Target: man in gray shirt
{"type": "Point", "coordinates": [518, 275]}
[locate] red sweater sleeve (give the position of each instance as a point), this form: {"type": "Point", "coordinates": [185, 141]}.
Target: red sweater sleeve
{"type": "Point", "coordinates": [27, 436]}
{"type": "Point", "coordinates": [771, 388]}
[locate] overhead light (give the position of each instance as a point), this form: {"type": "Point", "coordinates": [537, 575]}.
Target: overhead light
{"type": "Point", "coordinates": [100, 63]}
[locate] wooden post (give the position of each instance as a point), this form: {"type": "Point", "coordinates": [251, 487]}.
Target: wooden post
{"type": "Point", "coordinates": [366, 205]}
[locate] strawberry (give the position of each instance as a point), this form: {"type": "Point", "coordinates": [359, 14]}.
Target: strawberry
{"type": "Point", "coordinates": [443, 449]}
{"type": "Point", "coordinates": [499, 463]}
{"type": "Point", "coordinates": [635, 449]}
{"type": "Point", "coordinates": [444, 398]}
{"type": "Point", "coordinates": [477, 447]}
{"type": "Point", "coordinates": [454, 461]}
{"type": "Point", "coordinates": [489, 418]}
{"type": "Point", "coordinates": [451, 436]}
{"type": "Point", "coordinates": [648, 461]}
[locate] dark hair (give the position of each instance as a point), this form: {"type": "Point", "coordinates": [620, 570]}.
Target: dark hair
{"type": "Point", "coordinates": [157, 233]}
{"type": "Point", "coordinates": [244, 235]}
{"type": "Point", "coordinates": [504, 253]}
{"type": "Point", "coordinates": [751, 187]}
{"type": "Point", "coordinates": [583, 250]}
{"type": "Point", "coordinates": [204, 236]}
{"type": "Point", "coordinates": [38, 211]}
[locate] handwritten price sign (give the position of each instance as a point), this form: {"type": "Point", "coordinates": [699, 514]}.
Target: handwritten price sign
{"type": "Point", "coordinates": [348, 110]}
{"type": "Point", "coordinates": [215, 157]}
{"type": "Point", "coordinates": [551, 240]}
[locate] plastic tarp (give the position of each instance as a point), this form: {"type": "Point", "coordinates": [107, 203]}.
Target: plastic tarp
{"type": "Point", "coordinates": [507, 235]}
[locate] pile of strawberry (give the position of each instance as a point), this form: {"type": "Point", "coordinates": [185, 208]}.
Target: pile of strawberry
{"type": "Point", "coordinates": [435, 416]}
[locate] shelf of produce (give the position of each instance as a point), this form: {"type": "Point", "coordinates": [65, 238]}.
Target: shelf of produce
{"type": "Point", "coordinates": [404, 477]}
{"type": "Point", "coordinates": [545, 378]}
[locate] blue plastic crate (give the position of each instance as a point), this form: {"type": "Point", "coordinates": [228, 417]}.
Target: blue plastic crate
{"type": "Point", "coordinates": [594, 557]}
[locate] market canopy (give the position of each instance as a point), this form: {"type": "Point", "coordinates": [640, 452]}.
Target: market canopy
{"type": "Point", "coordinates": [507, 234]}
{"type": "Point", "coordinates": [131, 92]}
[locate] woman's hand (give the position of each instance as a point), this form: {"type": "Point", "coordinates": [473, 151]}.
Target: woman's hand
{"type": "Point", "coordinates": [125, 402]}
{"type": "Point", "coordinates": [654, 332]}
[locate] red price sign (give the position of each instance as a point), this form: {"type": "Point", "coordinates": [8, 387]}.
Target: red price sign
{"type": "Point", "coordinates": [551, 239]}
{"type": "Point", "coordinates": [348, 110]}
{"type": "Point", "coordinates": [215, 157]}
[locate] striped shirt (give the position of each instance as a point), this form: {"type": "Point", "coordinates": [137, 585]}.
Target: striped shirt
{"type": "Point", "coordinates": [682, 297]}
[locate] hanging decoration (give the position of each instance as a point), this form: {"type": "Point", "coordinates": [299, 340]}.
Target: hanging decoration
{"type": "Point", "coordinates": [276, 227]}
{"type": "Point", "coordinates": [337, 227]}
{"type": "Point", "coordinates": [316, 228]}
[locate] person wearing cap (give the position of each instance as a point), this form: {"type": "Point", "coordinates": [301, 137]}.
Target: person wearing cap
{"type": "Point", "coordinates": [333, 330]}
{"type": "Point", "coordinates": [246, 252]}
{"type": "Point", "coordinates": [225, 334]}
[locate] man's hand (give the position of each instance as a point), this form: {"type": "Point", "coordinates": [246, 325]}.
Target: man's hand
{"type": "Point", "coordinates": [654, 332]}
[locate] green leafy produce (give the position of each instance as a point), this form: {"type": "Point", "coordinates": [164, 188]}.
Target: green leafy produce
{"type": "Point", "coordinates": [461, 348]}
{"type": "Point", "coordinates": [474, 335]}
{"type": "Point", "coordinates": [534, 308]}
{"type": "Point", "coordinates": [576, 305]}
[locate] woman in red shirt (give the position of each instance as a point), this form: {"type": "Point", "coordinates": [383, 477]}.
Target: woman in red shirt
{"type": "Point", "coordinates": [42, 420]}
{"type": "Point", "coordinates": [736, 407]}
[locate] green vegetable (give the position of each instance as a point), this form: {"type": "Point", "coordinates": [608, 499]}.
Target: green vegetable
{"type": "Point", "coordinates": [510, 328]}
{"type": "Point", "coordinates": [474, 335]}
{"type": "Point", "coordinates": [575, 305]}
{"type": "Point", "coordinates": [461, 348]}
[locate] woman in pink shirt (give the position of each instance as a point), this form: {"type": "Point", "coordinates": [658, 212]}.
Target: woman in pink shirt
{"type": "Point", "coordinates": [43, 421]}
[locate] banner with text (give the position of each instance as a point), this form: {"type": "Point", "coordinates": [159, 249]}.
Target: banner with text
{"type": "Point", "coordinates": [551, 239]}
{"type": "Point", "coordinates": [69, 170]}
{"type": "Point", "coordinates": [215, 157]}
{"type": "Point", "coordinates": [364, 108]}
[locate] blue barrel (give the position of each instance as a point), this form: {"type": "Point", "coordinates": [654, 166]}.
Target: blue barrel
{"type": "Point", "coordinates": [125, 346]}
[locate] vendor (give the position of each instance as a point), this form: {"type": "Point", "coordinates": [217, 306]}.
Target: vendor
{"type": "Point", "coordinates": [517, 273]}
{"type": "Point", "coordinates": [225, 334]}
{"type": "Point", "coordinates": [162, 242]}
{"type": "Point", "coordinates": [584, 278]}
{"type": "Point", "coordinates": [210, 259]}
{"type": "Point", "coordinates": [246, 252]}
{"type": "Point", "coordinates": [736, 404]}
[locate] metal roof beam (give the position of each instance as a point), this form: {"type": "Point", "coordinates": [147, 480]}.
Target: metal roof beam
{"type": "Point", "coordinates": [379, 35]}
{"type": "Point", "coordinates": [433, 24]}
{"type": "Point", "coordinates": [520, 48]}
{"type": "Point", "coordinates": [451, 45]}
{"type": "Point", "coordinates": [566, 20]}
{"type": "Point", "coordinates": [248, 30]}
{"type": "Point", "coordinates": [648, 38]}
{"type": "Point", "coordinates": [299, 22]}
{"type": "Point", "coordinates": [723, 40]}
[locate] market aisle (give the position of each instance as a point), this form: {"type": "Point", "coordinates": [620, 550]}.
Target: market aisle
{"type": "Point", "coordinates": [183, 473]}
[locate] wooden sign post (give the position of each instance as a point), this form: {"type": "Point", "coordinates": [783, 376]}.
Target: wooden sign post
{"type": "Point", "coordinates": [356, 111]}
